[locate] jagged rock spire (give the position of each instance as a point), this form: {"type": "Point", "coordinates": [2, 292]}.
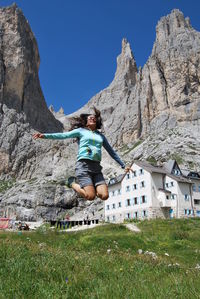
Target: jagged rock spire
{"type": "Point", "coordinates": [51, 108]}
{"type": "Point", "coordinates": [19, 64]}
{"type": "Point", "coordinates": [126, 66]}
{"type": "Point", "coordinates": [172, 31]}
{"type": "Point", "coordinates": [61, 110]}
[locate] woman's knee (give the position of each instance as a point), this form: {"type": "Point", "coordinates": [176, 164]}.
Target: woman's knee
{"type": "Point", "coordinates": [90, 193]}
{"type": "Point", "coordinates": [104, 196]}
{"type": "Point", "coordinates": [102, 191]}
{"type": "Point", "coordinates": [90, 196]}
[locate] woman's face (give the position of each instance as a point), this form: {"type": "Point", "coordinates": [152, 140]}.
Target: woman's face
{"type": "Point", "coordinates": [91, 121]}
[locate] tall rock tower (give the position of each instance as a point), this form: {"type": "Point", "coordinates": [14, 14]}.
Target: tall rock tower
{"type": "Point", "coordinates": [19, 64]}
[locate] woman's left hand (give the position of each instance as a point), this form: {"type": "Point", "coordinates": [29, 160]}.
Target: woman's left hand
{"type": "Point", "coordinates": [128, 169]}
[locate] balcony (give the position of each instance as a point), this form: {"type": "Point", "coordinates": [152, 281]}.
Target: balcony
{"type": "Point", "coordinates": [165, 203]}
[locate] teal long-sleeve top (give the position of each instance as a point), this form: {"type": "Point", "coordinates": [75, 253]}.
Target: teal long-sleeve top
{"type": "Point", "coordinates": [90, 144]}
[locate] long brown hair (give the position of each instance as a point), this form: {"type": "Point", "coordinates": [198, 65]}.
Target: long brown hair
{"type": "Point", "coordinates": [81, 121]}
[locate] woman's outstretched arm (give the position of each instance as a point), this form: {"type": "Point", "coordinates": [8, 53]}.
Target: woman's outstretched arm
{"type": "Point", "coordinates": [71, 134]}
{"type": "Point", "coordinates": [114, 155]}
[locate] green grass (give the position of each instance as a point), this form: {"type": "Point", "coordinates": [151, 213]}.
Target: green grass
{"type": "Point", "coordinates": [152, 160]}
{"type": "Point", "coordinates": [129, 149]}
{"type": "Point", "coordinates": [177, 157]}
{"type": "Point", "coordinates": [5, 185]}
{"type": "Point", "coordinates": [36, 264]}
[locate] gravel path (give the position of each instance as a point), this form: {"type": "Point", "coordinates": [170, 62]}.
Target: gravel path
{"type": "Point", "coordinates": [132, 227]}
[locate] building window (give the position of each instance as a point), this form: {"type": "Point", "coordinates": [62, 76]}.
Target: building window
{"type": "Point", "coordinates": [176, 172]}
{"type": "Point", "coordinates": [134, 174]}
{"type": "Point", "coordinates": [194, 187]}
{"type": "Point", "coordinates": [113, 205]}
{"type": "Point", "coordinates": [141, 171]}
{"type": "Point", "coordinates": [128, 176]}
{"type": "Point", "coordinates": [142, 184]}
{"type": "Point", "coordinates": [112, 181]}
{"type": "Point", "coordinates": [167, 196]}
{"type": "Point", "coordinates": [173, 196]}
{"type": "Point", "coordinates": [186, 197]}
{"type": "Point", "coordinates": [144, 213]}
{"type": "Point", "coordinates": [166, 185]}
{"type": "Point", "coordinates": [119, 191]}
{"type": "Point", "coordinates": [119, 204]}
{"type": "Point", "coordinates": [107, 207]}
{"type": "Point", "coordinates": [143, 199]}
{"type": "Point", "coordinates": [172, 184]}
{"type": "Point", "coordinates": [135, 187]}
{"type": "Point", "coordinates": [197, 202]}
{"type": "Point", "coordinates": [127, 188]}
{"type": "Point", "coordinates": [135, 201]}
{"type": "Point", "coordinates": [135, 215]}
{"type": "Point", "coordinates": [108, 218]}
{"type": "Point", "coordinates": [113, 218]}
{"type": "Point", "coordinates": [113, 193]}
{"type": "Point", "coordinates": [128, 202]}
{"type": "Point", "coordinates": [128, 215]}
{"type": "Point", "coordinates": [185, 212]}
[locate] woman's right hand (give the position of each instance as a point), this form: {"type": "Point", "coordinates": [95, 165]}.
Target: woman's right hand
{"type": "Point", "coordinates": [38, 135]}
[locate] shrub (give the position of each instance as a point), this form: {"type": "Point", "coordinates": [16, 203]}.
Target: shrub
{"type": "Point", "coordinates": [180, 235]}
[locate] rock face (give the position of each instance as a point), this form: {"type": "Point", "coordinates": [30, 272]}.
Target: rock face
{"type": "Point", "coordinates": [164, 94]}
{"type": "Point", "coordinates": [161, 98]}
{"type": "Point", "coordinates": [151, 113]}
{"type": "Point", "coordinates": [22, 111]}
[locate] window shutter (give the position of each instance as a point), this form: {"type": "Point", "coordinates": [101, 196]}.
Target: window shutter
{"type": "Point", "coordinates": [145, 199]}
{"type": "Point", "coordinates": [140, 199]}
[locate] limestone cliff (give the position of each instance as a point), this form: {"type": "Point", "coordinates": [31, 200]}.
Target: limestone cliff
{"type": "Point", "coordinates": [160, 99]}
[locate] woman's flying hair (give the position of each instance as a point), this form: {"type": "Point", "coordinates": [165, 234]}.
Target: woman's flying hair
{"type": "Point", "coordinates": [81, 121]}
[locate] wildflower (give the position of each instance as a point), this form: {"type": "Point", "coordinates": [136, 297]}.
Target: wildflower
{"type": "Point", "coordinates": [197, 266]}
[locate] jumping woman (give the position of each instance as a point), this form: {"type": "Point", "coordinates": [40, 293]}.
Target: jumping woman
{"type": "Point", "coordinates": [89, 181]}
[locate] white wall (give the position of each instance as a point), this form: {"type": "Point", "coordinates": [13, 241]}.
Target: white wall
{"type": "Point", "coordinates": [128, 192]}
{"type": "Point", "coordinates": [183, 203]}
{"type": "Point", "coordinates": [152, 196]}
{"type": "Point", "coordinates": [156, 183]}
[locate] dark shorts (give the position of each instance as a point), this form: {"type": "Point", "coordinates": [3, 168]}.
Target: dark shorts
{"type": "Point", "coordinates": [89, 173]}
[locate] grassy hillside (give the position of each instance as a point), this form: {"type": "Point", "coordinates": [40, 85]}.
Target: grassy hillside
{"type": "Point", "coordinates": [103, 262]}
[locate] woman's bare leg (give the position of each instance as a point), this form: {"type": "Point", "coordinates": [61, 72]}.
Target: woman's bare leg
{"type": "Point", "coordinates": [102, 191]}
{"type": "Point", "coordinates": [87, 192]}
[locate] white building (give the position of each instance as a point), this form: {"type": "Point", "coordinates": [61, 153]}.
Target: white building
{"type": "Point", "coordinates": [153, 192]}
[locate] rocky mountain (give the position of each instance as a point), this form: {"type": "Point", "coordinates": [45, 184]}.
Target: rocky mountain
{"type": "Point", "coordinates": [149, 113]}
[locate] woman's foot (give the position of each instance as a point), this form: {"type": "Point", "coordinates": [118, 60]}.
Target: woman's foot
{"type": "Point", "coordinates": [70, 181]}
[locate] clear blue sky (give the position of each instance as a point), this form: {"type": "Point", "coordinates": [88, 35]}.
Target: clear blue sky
{"type": "Point", "coordinates": [79, 41]}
